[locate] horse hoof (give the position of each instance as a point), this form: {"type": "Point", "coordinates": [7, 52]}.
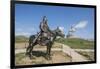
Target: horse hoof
{"type": "Point", "coordinates": [31, 58]}
{"type": "Point", "coordinates": [49, 58]}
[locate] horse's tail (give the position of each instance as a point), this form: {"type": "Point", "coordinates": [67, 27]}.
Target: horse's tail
{"type": "Point", "coordinates": [30, 40]}
{"type": "Point", "coordinates": [35, 38]}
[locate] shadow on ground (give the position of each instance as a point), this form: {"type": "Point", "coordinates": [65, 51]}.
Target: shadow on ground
{"type": "Point", "coordinates": [39, 54]}
{"type": "Point", "coordinates": [39, 57]}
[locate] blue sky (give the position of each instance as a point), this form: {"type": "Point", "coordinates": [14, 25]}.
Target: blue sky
{"type": "Point", "coordinates": [28, 18]}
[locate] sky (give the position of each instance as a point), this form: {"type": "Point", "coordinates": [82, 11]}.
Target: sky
{"type": "Point", "coordinates": [28, 18]}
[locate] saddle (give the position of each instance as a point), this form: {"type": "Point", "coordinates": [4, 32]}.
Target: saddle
{"type": "Point", "coordinates": [42, 37]}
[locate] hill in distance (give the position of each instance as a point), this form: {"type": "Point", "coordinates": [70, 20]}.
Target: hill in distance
{"type": "Point", "coordinates": [21, 38]}
{"type": "Point", "coordinates": [77, 43]}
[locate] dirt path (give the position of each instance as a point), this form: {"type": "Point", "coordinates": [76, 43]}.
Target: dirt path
{"type": "Point", "coordinates": [76, 57]}
{"type": "Point", "coordinates": [36, 49]}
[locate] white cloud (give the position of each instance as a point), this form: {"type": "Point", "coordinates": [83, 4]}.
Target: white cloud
{"type": "Point", "coordinates": [24, 29]}
{"type": "Point", "coordinates": [81, 24]}
{"type": "Point", "coordinates": [23, 33]}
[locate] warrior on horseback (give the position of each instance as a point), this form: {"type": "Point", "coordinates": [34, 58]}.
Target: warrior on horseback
{"type": "Point", "coordinates": [45, 37]}
{"type": "Point", "coordinates": [45, 32]}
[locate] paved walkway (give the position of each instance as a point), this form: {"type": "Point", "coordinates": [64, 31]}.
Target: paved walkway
{"type": "Point", "coordinates": [76, 57]}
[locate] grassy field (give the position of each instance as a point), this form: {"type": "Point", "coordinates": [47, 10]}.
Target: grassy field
{"type": "Point", "coordinates": [20, 39]}
{"type": "Point", "coordinates": [77, 43]}
{"type": "Point", "coordinates": [74, 43]}
{"type": "Point", "coordinates": [88, 55]}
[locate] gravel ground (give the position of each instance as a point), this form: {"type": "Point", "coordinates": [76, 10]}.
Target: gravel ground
{"type": "Point", "coordinates": [39, 58]}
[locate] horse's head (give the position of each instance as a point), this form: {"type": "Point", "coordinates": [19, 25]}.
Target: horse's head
{"type": "Point", "coordinates": [59, 32]}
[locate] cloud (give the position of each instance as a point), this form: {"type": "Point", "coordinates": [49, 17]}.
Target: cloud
{"type": "Point", "coordinates": [23, 33]}
{"type": "Point", "coordinates": [81, 24]}
{"type": "Point", "coordinates": [24, 29]}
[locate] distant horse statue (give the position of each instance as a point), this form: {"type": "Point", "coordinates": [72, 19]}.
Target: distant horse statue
{"type": "Point", "coordinates": [42, 41]}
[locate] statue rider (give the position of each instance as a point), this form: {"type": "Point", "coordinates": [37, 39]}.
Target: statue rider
{"type": "Point", "coordinates": [45, 31]}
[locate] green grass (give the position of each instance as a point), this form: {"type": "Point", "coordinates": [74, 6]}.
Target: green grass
{"type": "Point", "coordinates": [77, 43]}
{"type": "Point", "coordinates": [20, 56]}
{"type": "Point", "coordinates": [19, 39]}
{"type": "Point", "coordinates": [89, 55]}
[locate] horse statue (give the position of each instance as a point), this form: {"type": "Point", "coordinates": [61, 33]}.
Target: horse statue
{"type": "Point", "coordinates": [42, 41]}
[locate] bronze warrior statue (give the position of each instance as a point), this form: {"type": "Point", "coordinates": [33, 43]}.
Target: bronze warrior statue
{"type": "Point", "coordinates": [43, 25]}
{"type": "Point", "coordinates": [45, 37]}
{"type": "Point", "coordinates": [45, 31]}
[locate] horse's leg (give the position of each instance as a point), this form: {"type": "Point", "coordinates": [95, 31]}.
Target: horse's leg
{"type": "Point", "coordinates": [49, 51]}
{"type": "Point", "coordinates": [31, 45]}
